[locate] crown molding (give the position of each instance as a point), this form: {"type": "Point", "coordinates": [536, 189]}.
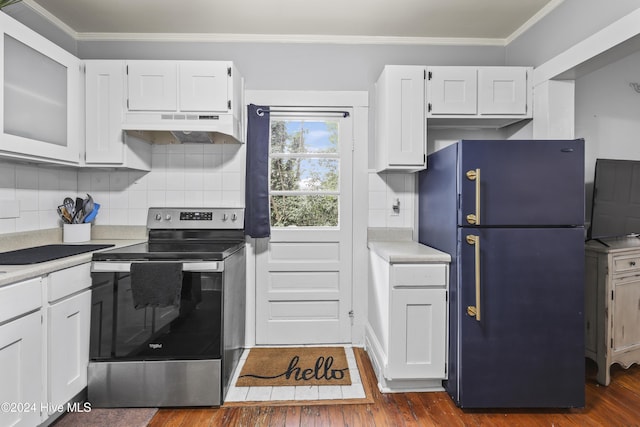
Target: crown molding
{"type": "Point", "coordinates": [51, 18]}
{"type": "Point", "coordinates": [533, 20]}
{"type": "Point", "coordinates": [288, 38]}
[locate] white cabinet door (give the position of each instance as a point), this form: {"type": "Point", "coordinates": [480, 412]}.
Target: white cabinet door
{"type": "Point", "coordinates": [21, 370]}
{"type": "Point", "coordinates": [152, 85]}
{"type": "Point", "coordinates": [68, 347]}
{"type": "Point", "coordinates": [417, 342]}
{"type": "Point", "coordinates": [104, 108]}
{"type": "Point", "coordinates": [41, 96]}
{"type": "Point", "coordinates": [452, 90]}
{"type": "Point", "coordinates": [401, 118]}
{"type": "Point", "coordinates": [502, 90]}
{"type": "Point", "coordinates": [204, 86]}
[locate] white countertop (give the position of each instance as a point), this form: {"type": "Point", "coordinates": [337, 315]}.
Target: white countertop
{"type": "Point", "coordinates": [113, 235]}
{"type": "Point", "coordinates": [407, 251]}
{"type": "Point", "coordinates": [16, 273]}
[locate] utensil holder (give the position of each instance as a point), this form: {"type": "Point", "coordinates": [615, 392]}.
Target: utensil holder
{"type": "Point", "coordinates": [75, 233]}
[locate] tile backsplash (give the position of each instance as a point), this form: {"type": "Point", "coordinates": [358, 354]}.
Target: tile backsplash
{"type": "Point", "coordinates": [190, 175]}
{"type": "Point", "coordinates": [36, 191]}
{"type": "Point", "coordinates": [181, 175]}
{"type": "Point", "coordinates": [387, 189]}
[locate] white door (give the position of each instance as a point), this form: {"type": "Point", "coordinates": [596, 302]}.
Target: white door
{"type": "Point", "coordinates": [303, 277]}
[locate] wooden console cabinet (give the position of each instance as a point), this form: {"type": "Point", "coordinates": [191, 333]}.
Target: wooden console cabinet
{"type": "Point", "coordinates": [612, 304]}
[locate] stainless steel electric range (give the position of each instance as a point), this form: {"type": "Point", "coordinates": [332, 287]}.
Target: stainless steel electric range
{"type": "Point", "coordinates": [168, 316]}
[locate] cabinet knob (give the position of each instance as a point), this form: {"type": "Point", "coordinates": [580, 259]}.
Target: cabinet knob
{"type": "Point", "coordinates": [632, 263]}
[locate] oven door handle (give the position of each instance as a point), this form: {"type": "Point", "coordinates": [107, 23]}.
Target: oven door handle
{"type": "Point", "coordinates": [188, 267]}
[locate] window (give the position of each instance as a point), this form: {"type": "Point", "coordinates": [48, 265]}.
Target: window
{"type": "Point", "coordinates": [304, 172]}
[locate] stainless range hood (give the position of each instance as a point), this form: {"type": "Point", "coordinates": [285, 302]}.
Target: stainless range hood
{"type": "Point", "coordinates": [167, 128]}
{"type": "Point", "coordinates": [162, 137]}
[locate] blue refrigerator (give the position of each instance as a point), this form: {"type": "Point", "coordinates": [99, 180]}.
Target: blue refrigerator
{"type": "Point", "coordinates": [511, 215]}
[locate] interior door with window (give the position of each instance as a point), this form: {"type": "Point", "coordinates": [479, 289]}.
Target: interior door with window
{"type": "Point", "coordinates": [303, 278]}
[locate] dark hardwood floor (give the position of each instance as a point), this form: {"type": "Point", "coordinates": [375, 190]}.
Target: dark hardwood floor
{"type": "Point", "coordinates": [615, 405]}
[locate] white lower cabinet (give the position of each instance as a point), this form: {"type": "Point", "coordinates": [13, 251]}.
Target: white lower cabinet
{"type": "Point", "coordinates": [21, 376]}
{"type": "Point", "coordinates": [68, 348]}
{"type": "Point", "coordinates": [407, 324]}
{"type": "Point", "coordinates": [20, 371]}
{"type": "Point", "coordinates": [44, 350]}
{"type": "Point", "coordinates": [417, 338]}
{"type": "Point", "coordinates": [68, 317]}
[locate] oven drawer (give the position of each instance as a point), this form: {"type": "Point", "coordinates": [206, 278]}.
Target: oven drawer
{"type": "Point", "coordinates": [168, 383]}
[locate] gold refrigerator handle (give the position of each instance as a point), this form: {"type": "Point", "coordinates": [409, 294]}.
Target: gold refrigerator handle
{"type": "Point", "coordinates": [475, 310]}
{"type": "Point", "coordinates": [474, 175]}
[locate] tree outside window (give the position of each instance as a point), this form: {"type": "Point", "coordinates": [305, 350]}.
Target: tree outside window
{"type": "Point", "coordinates": [304, 175]}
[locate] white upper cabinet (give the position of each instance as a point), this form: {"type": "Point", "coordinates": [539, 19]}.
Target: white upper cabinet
{"type": "Point", "coordinates": [204, 86]}
{"type": "Point", "coordinates": [106, 144]}
{"type": "Point", "coordinates": [503, 90]}
{"type": "Point", "coordinates": [152, 85]}
{"type": "Point", "coordinates": [400, 118]}
{"type": "Point", "coordinates": [188, 96]}
{"type": "Point", "coordinates": [491, 96]}
{"type": "Point", "coordinates": [41, 117]}
{"type": "Point", "coordinates": [452, 90]}
{"type": "Point", "coordinates": [104, 82]}
{"type": "Point", "coordinates": [187, 86]}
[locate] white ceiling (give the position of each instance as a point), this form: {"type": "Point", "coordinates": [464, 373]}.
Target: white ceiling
{"type": "Point", "coordinates": [490, 21]}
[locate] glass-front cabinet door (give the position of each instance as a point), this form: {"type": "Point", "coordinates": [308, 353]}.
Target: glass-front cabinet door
{"type": "Point", "coordinates": [41, 97]}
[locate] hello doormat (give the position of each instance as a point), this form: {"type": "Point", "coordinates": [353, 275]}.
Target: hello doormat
{"type": "Point", "coordinates": [295, 366]}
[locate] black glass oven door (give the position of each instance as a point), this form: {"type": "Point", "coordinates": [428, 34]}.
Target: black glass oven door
{"type": "Point", "coordinates": [119, 331]}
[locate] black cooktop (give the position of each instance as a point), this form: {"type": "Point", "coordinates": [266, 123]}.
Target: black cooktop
{"type": "Point", "coordinates": [177, 250]}
{"type": "Point", "coordinates": [45, 253]}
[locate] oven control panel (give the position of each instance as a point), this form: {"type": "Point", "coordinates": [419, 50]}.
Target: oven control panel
{"type": "Point", "coordinates": [196, 216]}
{"type": "Point", "coordinates": [202, 218]}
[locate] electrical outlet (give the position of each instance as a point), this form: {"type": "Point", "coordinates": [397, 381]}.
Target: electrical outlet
{"type": "Point", "coordinates": [395, 208]}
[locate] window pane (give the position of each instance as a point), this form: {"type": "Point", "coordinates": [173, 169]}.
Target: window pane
{"type": "Point", "coordinates": [304, 136]}
{"type": "Point", "coordinates": [304, 174]}
{"type": "Point", "coordinates": [304, 211]}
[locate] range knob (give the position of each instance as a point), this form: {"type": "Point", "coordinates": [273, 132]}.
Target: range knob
{"type": "Point", "coordinates": [234, 217]}
{"type": "Point", "coordinates": [158, 217]}
{"type": "Point", "coordinates": [168, 217]}
{"type": "Point", "coordinates": [225, 217]}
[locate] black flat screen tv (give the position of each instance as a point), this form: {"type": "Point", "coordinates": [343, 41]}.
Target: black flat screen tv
{"type": "Point", "coordinates": [615, 208]}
